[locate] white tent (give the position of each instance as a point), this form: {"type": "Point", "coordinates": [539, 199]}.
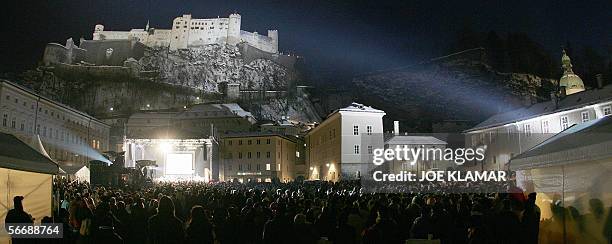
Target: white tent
{"type": "Point", "coordinates": [77, 172]}
{"type": "Point", "coordinates": [573, 166]}
{"type": "Point", "coordinates": [24, 172]}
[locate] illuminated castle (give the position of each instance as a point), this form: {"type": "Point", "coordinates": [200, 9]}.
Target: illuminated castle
{"type": "Point", "coordinates": [188, 32]}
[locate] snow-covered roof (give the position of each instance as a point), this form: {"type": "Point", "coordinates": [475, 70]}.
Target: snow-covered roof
{"type": "Point", "coordinates": [414, 140]}
{"type": "Point", "coordinates": [585, 141]}
{"type": "Point", "coordinates": [358, 107]}
{"type": "Point", "coordinates": [569, 102]}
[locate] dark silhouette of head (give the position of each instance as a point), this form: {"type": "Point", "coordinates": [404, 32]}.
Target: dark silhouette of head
{"type": "Point", "coordinates": [18, 202]}
{"type": "Point", "coordinates": [166, 206]}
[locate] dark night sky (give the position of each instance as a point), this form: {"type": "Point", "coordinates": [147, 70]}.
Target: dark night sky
{"type": "Point", "coordinates": [331, 35]}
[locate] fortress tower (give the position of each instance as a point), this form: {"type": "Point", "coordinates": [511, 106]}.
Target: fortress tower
{"type": "Point", "coordinates": [273, 34]}
{"type": "Point", "coordinates": [233, 30]}
{"type": "Point", "coordinates": [97, 32]}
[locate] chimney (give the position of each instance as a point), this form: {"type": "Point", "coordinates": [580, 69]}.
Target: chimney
{"type": "Point", "coordinates": [599, 78]}
{"type": "Point", "coordinates": [396, 127]}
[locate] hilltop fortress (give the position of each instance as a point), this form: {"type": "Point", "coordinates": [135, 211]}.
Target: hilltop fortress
{"type": "Point", "coordinates": [188, 32]}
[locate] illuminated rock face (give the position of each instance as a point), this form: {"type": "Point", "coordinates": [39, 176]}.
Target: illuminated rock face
{"type": "Point", "coordinates": [208, 66]}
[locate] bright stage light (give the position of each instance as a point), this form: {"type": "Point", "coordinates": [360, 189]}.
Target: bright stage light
{"type": "Point", "coordinates": [165, 147]}
{"type": "Point", "coordinates": [179, 164]}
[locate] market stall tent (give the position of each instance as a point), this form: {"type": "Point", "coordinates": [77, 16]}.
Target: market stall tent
{"type": "Point", "coordinates": [24, 172]}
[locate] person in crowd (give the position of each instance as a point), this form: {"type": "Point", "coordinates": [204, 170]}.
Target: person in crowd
{"type": "Point", "coordinates": [165, 227]}
{"type": "Point", "coordinates": [199, 228]}
{"type": "Point", "coordinates": [18, 215]}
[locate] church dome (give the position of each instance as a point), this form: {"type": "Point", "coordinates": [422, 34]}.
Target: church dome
{"type": "Point", "coordinates": [569, 80]}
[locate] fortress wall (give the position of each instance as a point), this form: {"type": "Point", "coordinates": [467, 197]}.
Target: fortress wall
{"type": "Point", "coordinates": [261, 42]}
{"type": "Point", "coordinates": [97, 51]}
{"type": "Point", "coordinates": [250, 53]}
{"type": "Point", "coordinates": [57, 53]}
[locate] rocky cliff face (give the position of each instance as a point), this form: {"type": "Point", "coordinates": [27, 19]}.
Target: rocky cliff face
{"type": "Point", "coordinates": [207, 67]}
{"type": "Point", "coordinates": [455, 88]}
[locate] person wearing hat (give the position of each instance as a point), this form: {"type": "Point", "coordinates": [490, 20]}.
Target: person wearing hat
{"type": "Point", "coordinates": [17, 216]}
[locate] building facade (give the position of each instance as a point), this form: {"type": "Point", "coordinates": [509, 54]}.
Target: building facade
{"type": "Point", "coordinates": [261, 157]}
{"type": "Point", "coordinates": [342, 145]}
{"type": "Point", "coordinates": [190, 32]}
{"type": "Point", "coordinates": [428, 144]}
{"type": "Point", "coordinates": [69, 136]}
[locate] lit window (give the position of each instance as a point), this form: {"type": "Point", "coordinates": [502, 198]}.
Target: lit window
{"type": "Point", "coordinates": [297, 154]}
{"type": "Point", "coordinates": [278, 167]}
{"type": "Point", "coordinates": [356, 149]}
{"type": "Point", "coordinates": [545, 126]}
{"type": "Point", "coordinates": [527, 129]}
{"type": "Point", "coordinates": [607, 110]}
{"type": "Point", "coordinates": [355, 130]}
{"type": "Point", "coordinates": [584, 116]}
{"type": "Point", "coordinates": [564, 123]}
{"type": "Point", "coordinates": [267, 166]}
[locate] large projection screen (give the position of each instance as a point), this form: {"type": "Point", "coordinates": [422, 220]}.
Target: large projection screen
{"type": "Point", "coordinates": [179, 164]}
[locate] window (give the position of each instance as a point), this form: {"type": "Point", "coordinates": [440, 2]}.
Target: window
{"type": "Point", "coordinates": [249, 155]}
{"type": "Point", "coordinates": [356, 149]}
{"type": "Point", "coordinates": [585, 116]}
{"type": "Point", "coordinates": [545, 126]}
{"type": "Point", "coordinates": [278, 167]}
{"type": "Point", "coordinates": [370, 149]}
{"type": "Point", "coordinates": [258, 167]}
{"type": "Point", "coordinates": [249, 142]}
{"type": "Point", "coordinates": [258, 154]}
{"type": "Point", "coordinates": [267, 166]}
{"type": "Point", "coordinates": [527, 129]}
{"type": "Point", "coordinates": [564, 123]}
{"type": "Point", "coordinates": [267, 141]}
{"type": "Point", "coordinates": [369, 130]}
{"type": "Point", "coordinates": [239, 142]}
{"type": "Point", "coordinates": [13, 123]}
{"type": "Point", "coordinates": [240, 155]}
{"type": "Point", "coordinates": [248, 166]}
{"type": "Point", "coordinates": [267, 154]}
{"type": "Point", "coordinates": [607, 110]}
{"type": "Point", "coordinates": [297, 154]}
{"type": "Point", "coordinates": [239, 166]}
{"type": "Point", "coordinates": [4, 119]}
{"type": "Point", "coordinates": [356, 130]}
{"type": "Point", "coordinates": [229, 142]}
{"type": "Point", "coordinates": [258, 141]}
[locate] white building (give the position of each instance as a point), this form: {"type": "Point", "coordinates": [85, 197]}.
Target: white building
{"type": "Point", "coordinates": [189, 32]}
{"type": "Point", "coordinates": [415, 142]}
{"type": "Point", "coordinates": [69, 136]}
{"type": "Point", "coordinates": [512, 133]}
{"type": "Point", "coordinates": [342, 145]}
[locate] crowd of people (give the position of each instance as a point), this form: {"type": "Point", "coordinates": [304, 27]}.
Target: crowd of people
{"type": "Point", "coordinates": [304, 212]}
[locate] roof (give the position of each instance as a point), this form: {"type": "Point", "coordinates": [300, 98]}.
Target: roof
{"type": "Point", "coordinates": [16, 154]}
{"type": "Point", "coordinates": [257, 134]}
{"type": "Point", "coordinates": [414, 140]}
{"type": "Point", "coordinates": [576, 100]}
{"type": "Point", "coordinates": [72, 169]}
{"type": "Point", "coordinates": [358, 107]}
{"type": "Point", "coordinates": [586, 141]}
{"type": "Point", "coordinates": [26, 90]}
